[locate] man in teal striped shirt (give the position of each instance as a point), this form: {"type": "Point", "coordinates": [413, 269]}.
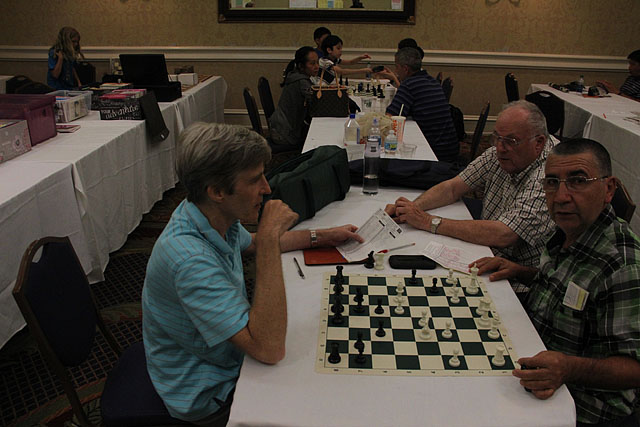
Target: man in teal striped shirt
{"type": "Point", "coordinates": [197, 320]}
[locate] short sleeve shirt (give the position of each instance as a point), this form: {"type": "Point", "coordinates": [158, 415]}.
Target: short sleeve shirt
{"type": "Point", "coordinates": [516, 200]}
{"type": "Point", "coordinates": [631, 87]}
{"type": "Point", "coordinates": [193, 301]}
{"type": "Point", "coordinates": [327, 65]}
{"type": "Point", "coordinates": [66, 80]}
{"type": "Point", "coordinates": [605, 262]}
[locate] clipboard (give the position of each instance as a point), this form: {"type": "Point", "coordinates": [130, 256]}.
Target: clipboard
{"type": "Point", "coordinates": [326, 256]}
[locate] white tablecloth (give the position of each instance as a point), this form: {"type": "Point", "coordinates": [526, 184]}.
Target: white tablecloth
{"type": "Point", "coordinates": [115, 174]}
{"type": "Point", "coordinates": [291, 393]}
{"type": "Point", "coordinates": [602, 119]}
{"type": "Point", "coordinates": [330, 131]}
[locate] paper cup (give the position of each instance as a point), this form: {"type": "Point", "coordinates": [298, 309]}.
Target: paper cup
{"type": "Point", "coordinates": [397, 124]}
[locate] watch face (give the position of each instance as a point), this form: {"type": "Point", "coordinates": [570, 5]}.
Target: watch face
{"type": "Point", "coordinates": [435, 221]}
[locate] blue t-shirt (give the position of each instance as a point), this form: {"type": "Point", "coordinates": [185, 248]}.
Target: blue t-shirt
{"type": "Point", "coordinates": [65, 80]}
{"type": "Point", "coordinates": [194, 299]}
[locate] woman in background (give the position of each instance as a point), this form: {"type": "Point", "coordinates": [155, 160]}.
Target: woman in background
{"type": "Point", "coordinates": [288, 126]}
{"type": "Point", "coordinates": [62, 57]}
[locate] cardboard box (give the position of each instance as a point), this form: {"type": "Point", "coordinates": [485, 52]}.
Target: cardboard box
{"type": "Point", "coordinates": [122, 105]}
{"type": "Point", "coordinates": [188, 79]}
{"type": "Point", "coordinates": [14, 139]}
{"type": "Point", "coordinates": [71, 104]}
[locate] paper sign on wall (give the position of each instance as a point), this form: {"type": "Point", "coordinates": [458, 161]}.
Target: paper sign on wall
{"type": "Point", "coordinates": [396, 4]}
{"type": "Point", "coordinates": [302, 4]}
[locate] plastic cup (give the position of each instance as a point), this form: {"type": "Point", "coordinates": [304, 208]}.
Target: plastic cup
{"type": "Point", "coordinates": [407, 150]}
{"type": "Point", "coordinates": [367, 104]}
{"type": "Point", "coordinates": [397, 124]}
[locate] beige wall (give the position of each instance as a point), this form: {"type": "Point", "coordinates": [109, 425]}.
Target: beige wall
{"type": "Point", "coordinates": [561, 27]}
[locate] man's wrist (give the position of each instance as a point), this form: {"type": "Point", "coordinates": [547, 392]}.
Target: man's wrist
{"type": "Point", "coordinates": [313, 237]}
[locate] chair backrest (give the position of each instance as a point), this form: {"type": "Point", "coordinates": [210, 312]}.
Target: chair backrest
{"type": "Point", "coordinates": [477, 133]}
{"type": "Point", "coordinates": [86, 72]}
{"type": "Point", "coordinates": [621, 203]}
{"type": "Point", "coordinates": [54, 297]}
{"type": "Point", "coordinates": [439, 77]}
{"type": "Point", "coordinates": [552, 107]}
{"type": "Point", "coordinates": [252, 109]}
{"type": "Point", "coordinates": [511, 85]}
{"type": "Point", "coordinates": [458, 122]}
{"type": "Point", "coordinates": [447, 87]}
{"type": "Point", "coordinates": [266, 99]}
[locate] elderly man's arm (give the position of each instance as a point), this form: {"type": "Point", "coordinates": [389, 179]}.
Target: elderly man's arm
{"type": "Point", "coordinates": [442, 194]}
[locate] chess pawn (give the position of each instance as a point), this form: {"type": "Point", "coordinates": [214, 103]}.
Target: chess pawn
{"type": "Point", "coordinates": [450, 279]}
{"type": "Point", "coordinates": [498, 359]}
{"type": "Point", "coordinates": [447, 331]}
{"type": "Point", "coordinates": [425, 332]}
{"type": "Point", "coordinates": [399, 308]}
{"type": "Point", "coordinates": [485, 320]}
{"type": "Point", "coordinates": [454, 361]}
{"type": "Point", "coordinates": [455, 299]}
{"type": "Point", "coordinates": [494, 334]}
{"type": "Point", "coordinates": [423, 320]}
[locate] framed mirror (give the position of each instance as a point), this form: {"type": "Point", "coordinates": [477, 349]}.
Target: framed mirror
{"type": "Point", "coordinates": [382, 11]}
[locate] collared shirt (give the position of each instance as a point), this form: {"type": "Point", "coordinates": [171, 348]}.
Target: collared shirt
{"type": "Point", "coordinates": [604, 261]}
{"type": "Point", "coordinates": [516, 200]}
{"type": "Point", "coordinates": [194, 299]}
{"type": "Point", "coordinates": [631, 87]}
{"type": "Point", "coordinates": [424, 100]}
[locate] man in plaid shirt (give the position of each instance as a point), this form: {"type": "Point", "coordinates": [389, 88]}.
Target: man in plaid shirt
{"type": "Point", "coordinates": [515, 222]}
{"type": "Point", "coordinates": [584, 299]}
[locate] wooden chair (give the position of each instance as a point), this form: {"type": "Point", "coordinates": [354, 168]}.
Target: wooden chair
{"type": "Point", "coordinates": [553, 109]}
{"type": "Point", "coordinates": [266, 99]}
{"type": "Point", "coordinates": [447, 87]}
{"type": "Point", "coordinates": [252, 109]}
{"type": "Point", "coordinates": [55, 299]}
{"type": "Point", "coordinates": [621, 203]}
{"type": "Point", "coordinates": [511, 85]}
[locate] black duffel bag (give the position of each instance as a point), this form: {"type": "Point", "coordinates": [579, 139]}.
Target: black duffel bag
{"type": "Point", "coordinates": [421, 174]}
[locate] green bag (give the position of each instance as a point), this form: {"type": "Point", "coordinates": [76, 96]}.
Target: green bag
{"type": "Point", "coordinates": [311, 181]}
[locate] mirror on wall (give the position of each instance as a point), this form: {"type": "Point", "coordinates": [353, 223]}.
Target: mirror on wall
{"type": "Point", "coordinates": [384, 11]}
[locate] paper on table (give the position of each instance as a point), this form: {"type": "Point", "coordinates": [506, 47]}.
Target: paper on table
{"type": "Point", "coordinates": [379, 232]}
{"type": "Point", "coordinates": [449, 256]}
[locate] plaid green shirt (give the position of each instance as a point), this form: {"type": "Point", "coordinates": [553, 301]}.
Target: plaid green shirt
{"type": "Point", "coordinates": [605, 261]}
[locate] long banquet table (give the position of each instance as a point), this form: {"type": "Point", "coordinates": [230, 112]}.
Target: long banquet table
{"type": "Point", "coordinates": [603, 120]}
{"type": "Point", "coordinates": [93, 185]}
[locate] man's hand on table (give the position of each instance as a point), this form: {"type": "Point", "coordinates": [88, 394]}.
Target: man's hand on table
{"type": "Point", "coordinates": [544, 373]}
{"type": "Point", "coordinates": [338, 235]}
{"type": "Point", "coordinates": [406, 211]}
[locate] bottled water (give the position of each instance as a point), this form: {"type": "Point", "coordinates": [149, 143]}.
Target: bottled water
{"type": "Point", "coordinates": [374, 132]}
{"type": "Point", "coordinates": [351, 131]}
{"type": "Point", "coordinates": [580, 84]}
{"type": "Point", "coordinates": [371, 166]}
{"type": "Point", "coordinates": [391, 143]}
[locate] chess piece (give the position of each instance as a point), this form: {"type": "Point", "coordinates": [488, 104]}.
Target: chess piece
{"type": "Point", "coordinates": [379, 309]}
{"type": "Point", "coordinates": [400, 288]}
{"type": "Point", "coordinates": [493, 333]}
{"type": "Point", "coordinates": [380, 332]}
{"type": "Point", "coordinates": [474, 271]}
{"type": "Point", "coordinates": [339, 276]}
{"type": "Point", "coordinates": [454, 361]}
{"type": "Point", "coordinates": [399, 308]}
{"type": "Point", "coordinates": [413, 279]}
{"type": "Point", "coordinates": [434, 287]}
{"type": "Point", "coordinates": [473, 288]}
{"type": "Point", "coordinates": [379, 263]}
{"type": "Point", "coordinates": [485, 320]}
{"type": "Point", "coordinates": [483, 306]}
{"type": "Point", "coordinates": [425, 332]}
{"type": "Point", "coordinates": [334, 356]}
{"type": "Point", "coordinates": [455, 299]}
{"type": "Point", "coordinates": [498, 359]}
{"type": "Point", "coordinates": [450, 279]}
{"type": "Point", "coordinates": [423, 320]}
{"type": "Point", "coordinates": [359, 345]}
{"type": "Point", "coordinates": [369, 263]}
{"type": "Point", "coordinates": [359, 308]}
{"type": "Point", "coordinates": [337, 306]}
{"type": "Point", "coordinates": [447, 334]}
{"type": "Point", "coordinates": [359, 298]}
{"type": "Point", "coordinates": [337, 319]}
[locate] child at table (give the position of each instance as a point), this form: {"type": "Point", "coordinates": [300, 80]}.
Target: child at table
{"type": "Point", "coordinates": [62, 58]}
{"type": "Point", "coordinates": [332, 61]}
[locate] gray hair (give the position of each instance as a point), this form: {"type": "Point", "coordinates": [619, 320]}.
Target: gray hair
{"type": "Point", "coordinates": [410, 57]}
{"type": "Point", "coordinates": [213, 154]}
{"type": "Point", "coordinates": [536, 120]}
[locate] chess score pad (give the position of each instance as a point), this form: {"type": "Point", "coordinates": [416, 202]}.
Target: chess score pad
{"type": "Point", "coordinates": [404, 350]}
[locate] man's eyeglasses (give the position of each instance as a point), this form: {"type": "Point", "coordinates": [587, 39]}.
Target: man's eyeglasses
{"type": "Point", "coordinates": [573, 183]}
{"type": "Point", "coordinates": [507, 141]}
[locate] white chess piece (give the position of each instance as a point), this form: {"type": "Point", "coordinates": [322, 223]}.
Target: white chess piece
{"type": "Point", "coordinates": [447, 331]}
{"type": "Point", "coordinates": [472, 289]}
{"type": "Point", "coordinates": [450, 279]}
{"type": "Point", "coordinates": [455, 299]}
{"type": "Point", "coordinates": [423, 320]}
{"type": "Point", "coordinates": [498, 359]}
{"type": "Point", "coordinates": [425, 332]}
{"type": "Point", "coordinates": [399, 309]}
{"type": "Point", "coordinates": [454, 361]}
{"type": "Point", "coordinates": [484, 320]}
{"type": "Point", "coordinates": [474, 271]}
{"type": "Point", "coordinates": [494, 334]}
{"type": "Point", "coordinates": [379, 260]}
{"type": "Point", "coordinates": [400, 287]}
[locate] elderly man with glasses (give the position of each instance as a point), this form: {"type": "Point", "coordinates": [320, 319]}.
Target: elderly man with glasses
{"type": "Point", "coordinates": [515, 221]}
{"type": "Point", "coordinates": [584, 298]}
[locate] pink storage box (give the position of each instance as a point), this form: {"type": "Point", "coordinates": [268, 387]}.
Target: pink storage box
{"type": "Point", "coordinates": [37, 110]}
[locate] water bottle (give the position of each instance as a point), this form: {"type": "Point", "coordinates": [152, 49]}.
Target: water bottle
{"type": "Point", "coordinates": [351, 131]}
{"type": "Point", "coordinates": [391, 143]}
{"type": "Point", "coordinates": [374, 132]}
{"type": "Point", "coordinates": [371, 165]}
{"type": "Point", "coordinates": [580, 84]}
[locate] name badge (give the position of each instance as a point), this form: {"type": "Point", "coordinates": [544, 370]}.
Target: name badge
{"type": "Point", "coordinates": [575, 297]}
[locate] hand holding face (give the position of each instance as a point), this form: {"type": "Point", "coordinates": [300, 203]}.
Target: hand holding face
{"type": "Point", "coordinates": [277, 217]}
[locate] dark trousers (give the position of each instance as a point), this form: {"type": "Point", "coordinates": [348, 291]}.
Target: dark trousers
{"type": "Point", "coordinates": [221, 416]}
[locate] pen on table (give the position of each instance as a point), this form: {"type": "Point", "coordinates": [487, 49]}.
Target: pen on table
{"type": "Point", "coordinates": [604, 115]}
{"type": "Point", "coordinates": [298, 267]}
{"type": "Point", "coordinates": [384, 251]}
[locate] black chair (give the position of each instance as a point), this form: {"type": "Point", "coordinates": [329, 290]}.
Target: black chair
{"type": "Point", "coordinates": [55, 299]}
{"type": "Point", "coordinates": [439, 77]}
{"type": "Point", "coordinates": [621, 203]}
{"type": "Point", "coordinates": [553, 109]}
{"type": "Point", "coordinates": [266, 99]}
{"type": "Point", "coordinates": [511, 84]}
{"type": "Point", "coordinates": [252, 109]}
{"type": "Point", "coordinates": [477, 133]}
{"type": "Point", "coordinates": [447, 87]}
{"type": "Point", "coordinates": [86, 72]}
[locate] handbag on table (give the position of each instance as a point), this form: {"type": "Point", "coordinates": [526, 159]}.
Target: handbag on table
{"type": "Point", "coordinates": [329, 101]}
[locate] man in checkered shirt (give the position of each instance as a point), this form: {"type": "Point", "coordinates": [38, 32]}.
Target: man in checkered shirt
{"type": "Point", "coordinates": [584, 299]}
{"type": "Point", "coordinates": [515, 222]}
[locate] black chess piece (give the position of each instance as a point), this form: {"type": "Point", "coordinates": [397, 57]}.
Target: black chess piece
{"type": "Point", "coordinates": [334, 357]}
{"type": "Point", "coordinates": [340, 80]}
{"type": "Point", "coordinates": [379, 309]}
{"type": "Point", "coordinates": [337, 306]}
{"type": "Point", "coordinates": [339, 276]}
{"type": "Point", "coordinates": [359, 308]}
{"type": "Point", "coordinates": [413, 279]}
{"type": "Point", "coordinates": [359, 345]}
{"type": "Point", "coordinates": [380, 332]}
{"type": "Point", "coordinates": [434, 289]}
{"type": "Point", "coordinates": [337, 319]}
{"type": "Point", "coordinates": [369, 263]}
{"type": "Point", "coordinates": [338, 288]}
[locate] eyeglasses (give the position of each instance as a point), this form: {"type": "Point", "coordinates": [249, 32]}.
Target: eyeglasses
{"type": "Point", "coordinates": [508, 142]}
{"type": "Point", "coordinates": [573, 183]}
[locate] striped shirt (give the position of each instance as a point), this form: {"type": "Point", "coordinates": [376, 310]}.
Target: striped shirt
{"type": "Point", "coordinates": [605, 261]}
{"type": "Point", "coordinates": [516, 200]}
{"type": "Point", "coordinates": [193, 301]}
{"type": "Point", "coordinates": [326, 64]}
{"type": "Point", "coordinates": [631, 87]}
{"type": "Point", "coordinates": [424, 100]}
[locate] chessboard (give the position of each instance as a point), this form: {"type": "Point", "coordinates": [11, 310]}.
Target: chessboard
{"type": "Point", "coordinates": [375, 325]}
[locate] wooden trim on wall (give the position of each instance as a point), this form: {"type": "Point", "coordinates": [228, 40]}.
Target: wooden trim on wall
{"type": "Point", "coordinates": [264, 54]}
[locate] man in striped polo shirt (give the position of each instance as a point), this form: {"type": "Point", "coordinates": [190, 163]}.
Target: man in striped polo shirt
{"type": "Point", "coordinates": [197, 320]}
{"type": "Point", "coordinates": [631, 86]}
{"type": "Point", "coordinates": [423, 100]}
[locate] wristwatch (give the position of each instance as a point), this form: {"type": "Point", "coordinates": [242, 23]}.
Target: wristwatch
{"type": "Point", "coordinates": [314, 238]}
{"type": "Point", "coordinates": [435, 223]}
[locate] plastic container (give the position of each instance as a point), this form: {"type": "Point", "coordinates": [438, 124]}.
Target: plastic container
{"type": "Point", "coordinates": [580, 88]}
{"type": "Point", "coordinates": [71, 104]}
{"type": "Point", "coordinates": [351, 131]}
{"type": "Point", "coordinates": [374, 132]}
{"type": "Point", "coordinates": [371, 166]}
{"type": "Point", "coordinates": [391, 143]}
